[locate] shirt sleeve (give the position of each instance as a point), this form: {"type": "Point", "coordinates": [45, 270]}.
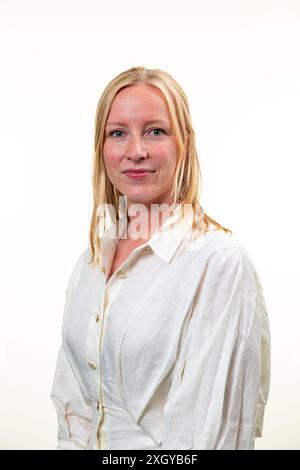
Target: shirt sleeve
{"type": "Point", "coordinates": [221, 380]}
{"type": "Point", "coordinates": [73, 414]}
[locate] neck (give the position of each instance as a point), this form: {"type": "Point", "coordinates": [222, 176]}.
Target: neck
{"type": "Point", "coordinates": [145, 220]}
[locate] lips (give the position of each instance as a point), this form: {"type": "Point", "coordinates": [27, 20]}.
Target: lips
{"type": "Point", "coordinates": [143, 170]}
{"type": "Point", "coordinates": [138, 174]}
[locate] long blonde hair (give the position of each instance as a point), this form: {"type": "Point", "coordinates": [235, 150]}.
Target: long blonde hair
{"type": "Point", "coordinates": [187, 180]}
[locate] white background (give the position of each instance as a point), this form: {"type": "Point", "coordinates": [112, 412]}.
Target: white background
{"type": "Point", "coordinates": [238, 62]}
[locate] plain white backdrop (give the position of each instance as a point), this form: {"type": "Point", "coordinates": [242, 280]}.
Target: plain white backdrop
{"type": "Point", "coordinates": [238, 62]}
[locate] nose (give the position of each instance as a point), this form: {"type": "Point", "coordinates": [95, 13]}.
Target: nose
{"type": "Point", "coordinates": [135, 149]}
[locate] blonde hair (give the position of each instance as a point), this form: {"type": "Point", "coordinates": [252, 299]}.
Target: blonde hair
{"type": "Point", "coordinates": [187, 180]}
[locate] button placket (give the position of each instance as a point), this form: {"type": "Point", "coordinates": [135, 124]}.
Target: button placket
{"type": "Point", "coordinates": [92, 352]}
{"type": "Point", "coordinates": [102, 311]}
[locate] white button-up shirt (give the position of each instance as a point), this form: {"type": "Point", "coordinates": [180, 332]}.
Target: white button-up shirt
{"type": "Point", "coordinates": [173, 352]}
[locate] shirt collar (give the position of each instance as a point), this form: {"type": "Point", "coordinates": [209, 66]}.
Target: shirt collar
{"type": "Point", "coordinates": [164, 242]}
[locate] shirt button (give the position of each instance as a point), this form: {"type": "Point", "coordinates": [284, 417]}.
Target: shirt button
{"type": "Point", "coordinates": [122, 275]}
{"type": "Point", "coordinates": [147, 249]}
{"type": "Point", "coordinates": [97, 317]}
{"type": "Point", "coordinates": [92, 365]}
{"type": "Point", "coordinates": [103, 270]}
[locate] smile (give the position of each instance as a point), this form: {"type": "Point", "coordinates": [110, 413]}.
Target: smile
{"type": "Point", "coordinates": [138, 175]}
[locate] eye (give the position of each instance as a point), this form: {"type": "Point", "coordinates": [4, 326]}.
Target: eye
{"type": "Point", "coordinates": [112, 133]}
{"type": "Point", "coordinates": [158, 129]}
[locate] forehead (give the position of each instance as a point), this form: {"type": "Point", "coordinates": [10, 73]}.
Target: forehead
{"type": "Point", "coordinates": [139, 102]}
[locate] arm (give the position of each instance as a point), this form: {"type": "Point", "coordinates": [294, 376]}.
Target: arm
{"type": "Point", "coordinates": [74, 419]}
{"type": "Point", "coordinates": [221, 380]}
{"type": "Point", "coordinates": [73, 414]}
{"type": "Point", "coordinates": [265, 357]}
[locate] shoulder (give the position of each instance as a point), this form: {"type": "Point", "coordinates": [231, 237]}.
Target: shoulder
{"type": "Point", "coordinates": [79, 267]}
{"type": "Point", "coordinates": [219, 244]}
{"type": "Point", "coordinates": [223, 254]}
{"type": "Point", "coordinates": [82, 260]}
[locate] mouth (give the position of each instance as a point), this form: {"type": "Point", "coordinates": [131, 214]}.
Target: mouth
{"type": "Point", "coordinates": [138, 174]}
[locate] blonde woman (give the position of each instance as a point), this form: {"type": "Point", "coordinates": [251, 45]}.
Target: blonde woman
{"type": "Point", "coordinates": [165, 337]}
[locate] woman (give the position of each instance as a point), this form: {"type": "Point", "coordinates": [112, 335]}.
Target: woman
{"type": "Point", "coordinates": [165, 338]}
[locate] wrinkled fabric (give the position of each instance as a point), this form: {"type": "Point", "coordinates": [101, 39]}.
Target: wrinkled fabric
{"type": "Point", "coordinates": [173, 352]}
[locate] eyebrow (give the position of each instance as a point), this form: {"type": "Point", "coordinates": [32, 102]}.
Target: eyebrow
{"type": "Point", "coordinates": [156, 121]}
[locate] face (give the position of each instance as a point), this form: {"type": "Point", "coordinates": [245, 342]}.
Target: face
{"type": "Point", "coordinates": [139, 149]}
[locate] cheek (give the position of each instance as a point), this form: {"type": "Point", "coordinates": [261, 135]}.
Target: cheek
{"type": "Point", "coordinates": [167, 163]}
{"type": "Point", "coordinates": [111, 156]}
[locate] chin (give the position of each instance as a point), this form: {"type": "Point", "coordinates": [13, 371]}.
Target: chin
{"type": "Point", "coordinates": [140, 199]}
